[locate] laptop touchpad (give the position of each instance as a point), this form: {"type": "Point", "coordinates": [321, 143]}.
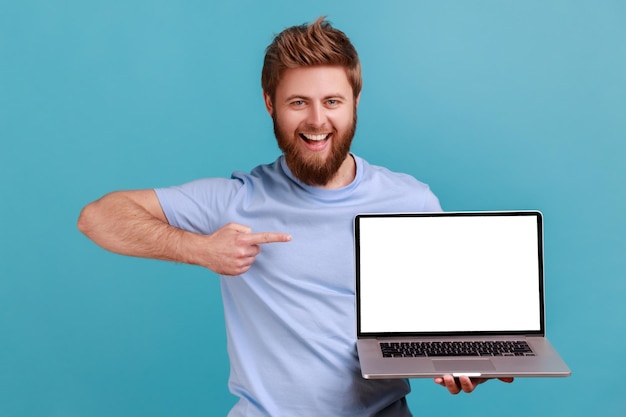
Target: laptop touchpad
{"type": "Point", "coordinates": [451, 365]}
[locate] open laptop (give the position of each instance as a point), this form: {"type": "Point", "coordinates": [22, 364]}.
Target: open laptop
{"type": "Point", "coordinates": [452, 293]}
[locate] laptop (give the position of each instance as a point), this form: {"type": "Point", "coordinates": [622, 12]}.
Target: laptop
{"type": "Point", "coordinates": [457, 293]}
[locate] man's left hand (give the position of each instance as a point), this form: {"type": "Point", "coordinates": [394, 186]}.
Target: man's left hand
{"type": "Point", "coordinates": [463, 383]}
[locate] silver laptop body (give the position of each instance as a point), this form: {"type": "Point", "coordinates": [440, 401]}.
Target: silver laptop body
{"type": "Point", "coordinates": [456, 293]}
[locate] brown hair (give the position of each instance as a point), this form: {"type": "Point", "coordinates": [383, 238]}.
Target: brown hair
{"type": "Point", "coordinates": [309, 45]}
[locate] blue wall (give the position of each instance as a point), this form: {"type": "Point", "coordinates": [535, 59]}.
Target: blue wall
{"type": "Point", "coordinates": [496, 104]}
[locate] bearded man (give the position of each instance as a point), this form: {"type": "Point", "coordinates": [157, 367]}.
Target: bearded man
{"type": "Point", "coordinates": [289, 308]}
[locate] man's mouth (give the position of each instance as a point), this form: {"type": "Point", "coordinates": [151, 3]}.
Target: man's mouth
{"type": "Point", "coordinates": [316, 142]}
{"type": "Point", "coordinates": [314, 138]}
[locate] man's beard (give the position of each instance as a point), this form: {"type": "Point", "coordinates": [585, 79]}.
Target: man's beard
{"type": "Point", "coordinates": [314, 169]}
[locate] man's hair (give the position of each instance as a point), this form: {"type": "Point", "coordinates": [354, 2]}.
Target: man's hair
{"type": "Point", "coordinates": [306, 46]}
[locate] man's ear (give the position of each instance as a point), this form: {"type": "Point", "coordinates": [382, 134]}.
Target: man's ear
{"type": "Point", "coordinates": [268, 103]}
{"type": "Point", "coordinates": [356, 101]}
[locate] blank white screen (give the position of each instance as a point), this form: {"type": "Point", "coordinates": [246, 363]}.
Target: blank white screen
{"type": "Point", "coordinates": [449, 273]}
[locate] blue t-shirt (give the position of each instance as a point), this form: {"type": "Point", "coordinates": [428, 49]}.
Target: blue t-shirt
{"type": "Point", "coordinates": [290, 319]}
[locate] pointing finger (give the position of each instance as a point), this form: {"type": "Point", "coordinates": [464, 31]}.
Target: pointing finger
{"type": "Point", "coordinates": [268, 237]}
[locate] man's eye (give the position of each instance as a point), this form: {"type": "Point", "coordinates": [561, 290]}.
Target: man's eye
{"type": "Point", "coordinates": [332, 102]}
{"type": "Point", "coordinates": [298, 103]}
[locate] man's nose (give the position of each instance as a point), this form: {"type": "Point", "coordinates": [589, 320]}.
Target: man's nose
{"type": "Point", "coordinates": [316, 116]}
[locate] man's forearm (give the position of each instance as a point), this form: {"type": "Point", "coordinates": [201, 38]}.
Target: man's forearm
{"type": "Point", "coordinates": [120, 224]}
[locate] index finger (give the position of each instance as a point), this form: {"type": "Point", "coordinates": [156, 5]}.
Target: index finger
{"type": "Point", "coordinates": [268, 237]}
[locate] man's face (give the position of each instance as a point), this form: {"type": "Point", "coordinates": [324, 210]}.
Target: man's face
{"type": "Point", "coordinates": [314, 114]}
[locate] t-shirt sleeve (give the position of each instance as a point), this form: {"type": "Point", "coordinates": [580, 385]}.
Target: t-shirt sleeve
{"type": "Point", "coordinates": [198, 206]}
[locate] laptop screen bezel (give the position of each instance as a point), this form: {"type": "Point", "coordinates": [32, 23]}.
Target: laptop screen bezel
{"type": "Point", "coordinates": [540, 240]}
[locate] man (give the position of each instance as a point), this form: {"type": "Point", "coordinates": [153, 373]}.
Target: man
{"type": "Point", "coordinates": [289, 306]}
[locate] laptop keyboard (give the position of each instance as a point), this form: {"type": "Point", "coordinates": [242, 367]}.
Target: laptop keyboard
{"type": "Point", "coordinates": [461, 348]}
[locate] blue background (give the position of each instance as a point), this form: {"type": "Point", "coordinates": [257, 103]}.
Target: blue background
{"type": "Point", "coordinates": [495, 104]}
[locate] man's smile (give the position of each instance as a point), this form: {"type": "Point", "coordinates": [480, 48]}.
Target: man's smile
{"type": "Point", "coordinates": [316, 142]}
{"type": "Point", "coordinates": [310, 137]}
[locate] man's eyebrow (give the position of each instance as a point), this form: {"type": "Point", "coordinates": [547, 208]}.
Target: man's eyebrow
{"type": "Point", "coordinates": [327, 97]}
{"type": "Point", "coordinates": [334, 96]}
{"type": "Point", "coordinates": [296, 97]}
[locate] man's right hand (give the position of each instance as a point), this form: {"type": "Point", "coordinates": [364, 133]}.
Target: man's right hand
{"type": "Point", "coordinates": [234, 248]}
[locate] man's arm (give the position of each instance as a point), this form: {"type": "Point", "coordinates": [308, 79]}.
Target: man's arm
{"type": "Point", "coordinates": [133, 223]}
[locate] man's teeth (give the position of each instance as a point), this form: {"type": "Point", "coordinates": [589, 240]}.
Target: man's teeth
{"type": "Point", "coordinates": [316, 137]}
